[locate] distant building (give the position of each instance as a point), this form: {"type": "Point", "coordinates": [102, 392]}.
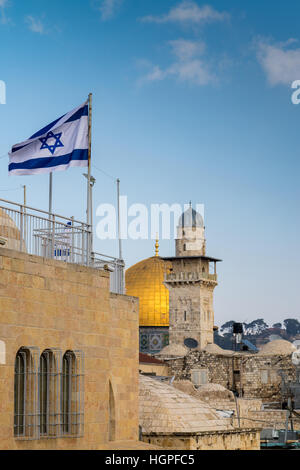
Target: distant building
{"type": "Point", "coordinates": [248, 375]}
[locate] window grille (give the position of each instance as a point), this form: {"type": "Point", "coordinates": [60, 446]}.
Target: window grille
{"type": "Point", "coordinates": [25, 394]}
{"type": "Point", "coordinates": [48, 394]}
{"type": "Point", "coordinates": [199, 376]}
{"type": "Point", "coordinates": [72, 394]}
{"type": "Point", "coordinates": [49, 387]}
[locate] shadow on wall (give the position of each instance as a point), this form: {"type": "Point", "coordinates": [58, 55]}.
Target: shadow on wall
{"type": "Point", "coordinates": [112, 414]}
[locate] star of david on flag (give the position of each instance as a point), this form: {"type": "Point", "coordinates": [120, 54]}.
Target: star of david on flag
{"type": "Point", "coordinates": [53, 147]}
{"type": "Point", "coordinates": [58, 146]}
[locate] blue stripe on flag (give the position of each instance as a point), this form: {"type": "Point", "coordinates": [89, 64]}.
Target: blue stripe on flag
{"type": "Point", "coordinates": [13, 150]}
{"type": "Point", "coordinates": [81, 112]}
{"type": "Point", "coordinates": [84, 111]}
{"type": "Point", "coordinates": [45, 129]}
{"type": "Point", "coordinates": [38, 163]}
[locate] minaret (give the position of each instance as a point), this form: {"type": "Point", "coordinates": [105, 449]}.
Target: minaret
{"type": "Point", "coordinates": [191, 282]}
{"type": "Point", "coordinates": [190, 234]}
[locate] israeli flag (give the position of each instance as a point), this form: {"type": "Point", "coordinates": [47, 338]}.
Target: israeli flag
{"type": "Point", "coordinates": [58, 146]}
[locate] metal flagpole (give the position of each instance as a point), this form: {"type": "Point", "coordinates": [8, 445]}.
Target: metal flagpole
{"type": "Point", "coordinates": [25, 221]}
{"type": "Point", "coordinates": [50, 192]}
{"type": "Point", "coordinates": [119, 220]}
{"type": "Point", "coordinates": [88, 218]}
{"type": "Point", "coordinates": [25, 199]}
{"type": "Point", "coordinates": [120, 263]}
{"type": "Point", "coordinates": [50, 241]}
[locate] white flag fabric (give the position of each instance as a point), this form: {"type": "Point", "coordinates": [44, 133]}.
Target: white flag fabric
{"type": "Point", "coordinates": [56, 147]}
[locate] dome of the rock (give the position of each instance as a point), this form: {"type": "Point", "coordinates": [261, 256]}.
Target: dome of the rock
{"type": "Point", "coordinates": [145, 281]}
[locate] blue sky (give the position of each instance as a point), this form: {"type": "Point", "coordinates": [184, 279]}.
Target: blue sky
{"type": "Point", "coordinates": [192, 101]}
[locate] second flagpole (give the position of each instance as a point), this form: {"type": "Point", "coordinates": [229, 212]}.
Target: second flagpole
{"type": "Point", "coordinates": [89, 202]}
{"type": "Point", "coordinates": [50, 191]}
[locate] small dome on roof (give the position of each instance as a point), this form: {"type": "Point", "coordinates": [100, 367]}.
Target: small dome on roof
{"type": "Point", "coordinates": [10, 232]}
{"type": "Point", "coordinates": [191, 218]}
{"type": "Point", "coordinates": [167, 410]}
{"type": "Point", "coordinates": [277, 347]}
{"type": "Point", "coordinates": [215, 349]}
{"type": "Point", "coordinates": [173, 350]}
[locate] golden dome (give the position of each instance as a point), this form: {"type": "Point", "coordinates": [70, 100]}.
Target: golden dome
{"type": "Point", "coordinates": [145, 281]}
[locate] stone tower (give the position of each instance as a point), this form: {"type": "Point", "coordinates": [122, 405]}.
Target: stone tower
{"type": "Point", "coordinates": [191, 282]}
{"type": "Point", "coordinates": [190, 234]}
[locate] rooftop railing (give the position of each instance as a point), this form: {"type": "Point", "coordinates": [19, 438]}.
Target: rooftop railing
{"type": "Point", "coordinates": [41, 233]}
{"type": "Point", "coordinates": [190, 276]}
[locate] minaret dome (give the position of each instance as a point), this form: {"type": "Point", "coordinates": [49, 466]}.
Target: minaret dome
{"type": "Point", "coordinates": [190, 234]}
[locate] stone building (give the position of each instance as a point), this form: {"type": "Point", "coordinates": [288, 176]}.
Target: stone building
{"type": "Point", "coordinates": [173, 419]}
{"type": "Point", "coordinates": [69, 356]}
{"type": "Point", "coordinates": [243, 412]}
{"type": "Point", "coordinates": [251, 376]}
{"type": "Point", "coordinates": [191, 284]}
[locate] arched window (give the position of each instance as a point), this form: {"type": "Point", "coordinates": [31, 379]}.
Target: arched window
{"type": "Point", "coordinates": [72, 418]}
{"type": "Point", "coordinates": [25, 394]}
{"type": "Point", "coordinates": [49, 374]}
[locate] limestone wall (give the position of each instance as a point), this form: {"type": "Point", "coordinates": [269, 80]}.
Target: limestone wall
{"type": "Point", "coordinates": [246, 439]}
{"type": "Point", "coordinates": [51, 304]}
{"type": "Point", "coordinates": [273, 418]}
{"type": "Point", "coordinates": [251, 375]}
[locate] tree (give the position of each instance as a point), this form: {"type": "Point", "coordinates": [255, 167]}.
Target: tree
{"type": "Point", "coordinates": [277, 325]}
{"type": "Point", "coordinates": [227, 327]}
{"type": "Point", "coordinates": [292, 326]}
{"type": "Point", "coordinates": [256, 327]}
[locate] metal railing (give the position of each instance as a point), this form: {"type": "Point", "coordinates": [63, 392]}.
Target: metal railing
{"type": "Point", "coordinates": [116, 267]}
{"type": "Point", "coordinates": [41, 233]}
{"type": "Point", "coordinates": [190, 276]}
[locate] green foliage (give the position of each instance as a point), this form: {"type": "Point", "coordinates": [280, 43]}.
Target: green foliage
{"type": "Point", "coordinates": [292, 326]}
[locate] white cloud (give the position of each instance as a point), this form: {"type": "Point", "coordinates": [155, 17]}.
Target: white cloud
{"type": "Point", "coordinates": [108, 8]}
{"type": "Point", "coordinates": [35, 25]}
{"type": "Point", "coordinates": [3, 5]}
{"type": "Point", "coordinates": [188, 67]}
{"type": "Point", "coordinates": [280, 62]}
{"type": "Point", "coordinates": [188, 11]}
{"type": "Point", "coordinates": [194, 71]}
{"type": "Point", "coordinates": [185, 49]}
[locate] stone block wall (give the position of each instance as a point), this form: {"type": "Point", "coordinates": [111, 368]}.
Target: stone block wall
{"type": "Point", "coordinates": [251, 375]}
{"type": "Point", "coordinates": [245, 439]}
{"type": "Point", "coordinates": [52, 304]}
